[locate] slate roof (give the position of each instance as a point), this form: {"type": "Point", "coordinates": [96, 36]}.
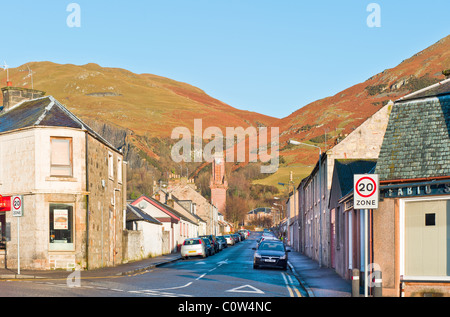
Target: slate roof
{"type": "Point", "coordinates": [165, 207]}
{"type": "Point", "coordinates": [416, 143]}
{"type": "Point", "coordinates": [45, 111]}
{"type": "Point", "coordinates": [136, 214]}
{"type": "Point", "coordinates": [255, 211]}
{"type": "Point", "coordinates": [346, 168]}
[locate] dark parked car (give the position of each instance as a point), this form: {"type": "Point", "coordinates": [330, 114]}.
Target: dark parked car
{"type": "Point", "coordinates": [209, 248]}
{"type": "Point", "coordinates": [270, 253]}
{"type": "Point", "coordinates": [222, 241]}
{"type": "Point", "coordinates": [214, 242]}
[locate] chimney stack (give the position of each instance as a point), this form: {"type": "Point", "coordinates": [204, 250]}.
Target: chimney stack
{"type": "Point", "coordinates": [14, 95]}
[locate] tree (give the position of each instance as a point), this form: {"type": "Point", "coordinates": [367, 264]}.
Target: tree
{"type": "Point", "coordinates": [236, 209]}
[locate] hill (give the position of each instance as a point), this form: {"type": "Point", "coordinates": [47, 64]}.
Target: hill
{"type": "Point", "coordinates": [325, 121]}
{"type": "Point", "coordinates": [138, 112]}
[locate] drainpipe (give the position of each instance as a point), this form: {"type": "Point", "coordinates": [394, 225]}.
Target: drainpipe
{"type": "Point", "coordinates": [87, 201]}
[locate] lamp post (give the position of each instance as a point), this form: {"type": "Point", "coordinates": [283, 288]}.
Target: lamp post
{"type": "Point", "coordinates": [320, 195]}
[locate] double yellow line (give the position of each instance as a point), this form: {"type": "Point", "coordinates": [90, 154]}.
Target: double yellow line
{"type": "Point", "coordinates": [293, 291]}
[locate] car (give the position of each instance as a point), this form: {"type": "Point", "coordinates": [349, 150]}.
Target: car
{"type": "Point", "coordinates": [245, 233]}
{"type": "Point", "coordinates": [193, 247]}
{"type": "Point", "coordinates": [213, 241]}
{"type": "Point", "coordinates": [242, 235]}
{"type": "Point", "coordinates": [209, 248]}
{"type": "Point", "coordinates": [265, 238]}
{"type": "Point", "coordinates": [222, 242]}
{"type": "Point", "coordinates": [236, 237]}
{"type": "Point", "coordinates": [270, 253]}
{"type": "Point", "coordinates": [229, 239]}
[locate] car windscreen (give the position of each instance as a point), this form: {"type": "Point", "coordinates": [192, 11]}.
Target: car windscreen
{"type": "Point", "coordinates": [271, 246]}
{"type": "Point", "coordinates": [191, 241]}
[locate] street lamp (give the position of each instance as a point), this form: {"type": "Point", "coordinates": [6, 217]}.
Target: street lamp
{"type": "Point", "coordinates": [320, 196]}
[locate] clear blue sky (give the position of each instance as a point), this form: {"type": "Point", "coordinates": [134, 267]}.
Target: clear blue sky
{"type": "Point", "coordinates": [268, 56]}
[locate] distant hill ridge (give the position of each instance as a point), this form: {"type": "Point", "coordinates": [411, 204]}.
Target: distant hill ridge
{"type": "Point", "coordinates": [139, 111]}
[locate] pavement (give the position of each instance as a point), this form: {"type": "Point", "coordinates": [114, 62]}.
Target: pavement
{"type": "Point", "coordinates": [316, 281]}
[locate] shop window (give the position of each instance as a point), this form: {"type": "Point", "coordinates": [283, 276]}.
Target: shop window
{"type": "Point", "coordinates": [61, 227]}
{"type": "Point", "coordinates": [426, 247]}
{"type": "Point", "coordinates": [61, 157]}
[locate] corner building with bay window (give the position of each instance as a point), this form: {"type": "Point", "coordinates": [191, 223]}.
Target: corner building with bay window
{"type": "Point", "coordinates": [73, 184]}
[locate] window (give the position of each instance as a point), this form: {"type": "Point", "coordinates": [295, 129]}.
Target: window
{"type": "Point", "coordinates": [110, 165]}
{"type": "Point", "coordinates": [61, 227]}
{"type": "Point", "coordinates": [119, 170]}
{"type": "Point", "coordinates": [61, 157]}
{"type": "Point", "coordinates": [430, 219]}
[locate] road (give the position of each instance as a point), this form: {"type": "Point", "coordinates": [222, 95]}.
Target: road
{"type": "Point", "coordinates": [228, 273]}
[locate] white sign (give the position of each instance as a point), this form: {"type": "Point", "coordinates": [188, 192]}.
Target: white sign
{"type": "Point", "coordinates": [17, 206]}
{"type": "Point", "coordinates": [366, 191]}
{"type": "Point", "coordinates": [60, 219]}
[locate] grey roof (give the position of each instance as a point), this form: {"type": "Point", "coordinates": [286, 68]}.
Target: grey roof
{"type": "Point", "coordinates": [266, 210]}
{"type": "Point", "coordinates": [436, 90]}
{"type": "Point", "coordinates": [346, 168]}
{"type": "Point", "coordinates": [416, 143]}
{"type": "Point", "coordinates": [136, 214]}
{"type": "Point", "coordinates": [45, 111]}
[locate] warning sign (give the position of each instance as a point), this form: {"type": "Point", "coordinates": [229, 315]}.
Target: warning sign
{"type": "Point", "coordinates": [365, 191]}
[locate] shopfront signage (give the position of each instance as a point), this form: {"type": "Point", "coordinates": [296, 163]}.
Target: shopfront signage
{"type": "Point", "coordinates": [5, 203]}
{"type": "Point", "coordinates": [425, 189]}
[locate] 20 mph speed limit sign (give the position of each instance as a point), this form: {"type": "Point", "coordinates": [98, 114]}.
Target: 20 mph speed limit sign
{"type": "Point", "coordinates": [365, 191]}
{"type": "Point", "coordinates": [17, 206]}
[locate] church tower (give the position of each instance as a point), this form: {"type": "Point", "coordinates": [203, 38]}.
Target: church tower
{"type": "Point", "coordinates": [218, 183]}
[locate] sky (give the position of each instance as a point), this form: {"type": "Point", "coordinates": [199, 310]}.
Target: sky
{"type": "Point", "coordinates": [267, 56]}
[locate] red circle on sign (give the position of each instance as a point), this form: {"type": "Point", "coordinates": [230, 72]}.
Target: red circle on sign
{"type": "Point", "coordinates": [14, 203]}
{"type": "Point", "coordinates": [374, 187]}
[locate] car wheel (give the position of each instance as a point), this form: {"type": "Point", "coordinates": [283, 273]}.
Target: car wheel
{"type": "Point", "coordinates": [255, 266]}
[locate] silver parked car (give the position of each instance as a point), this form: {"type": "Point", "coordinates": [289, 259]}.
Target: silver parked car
{"type": "Point", "coordinates": [230, 239]}
{"type": "Point", "coordinates": [193, 247]}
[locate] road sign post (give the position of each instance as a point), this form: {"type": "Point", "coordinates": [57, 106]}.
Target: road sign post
{"type": "Point", "coordinates": [366, 194]}
{"type": "Point", "coordinates": [17, 211]}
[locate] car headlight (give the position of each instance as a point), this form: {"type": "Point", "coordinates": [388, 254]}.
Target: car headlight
{"type": "Point", "coordinates": [283, 257]}
{"type": "Point", "coordinates": [257, 255]}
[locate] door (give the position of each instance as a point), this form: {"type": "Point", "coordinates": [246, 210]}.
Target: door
{"type": "Point", "coordinates": [333, 237]}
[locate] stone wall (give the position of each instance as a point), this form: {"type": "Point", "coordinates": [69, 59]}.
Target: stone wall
{"type": "Point", "coordinates": [106, 205]}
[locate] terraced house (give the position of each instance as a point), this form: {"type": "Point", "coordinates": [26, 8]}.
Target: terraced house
{"type": "Point", "coordinates": [72, 181]}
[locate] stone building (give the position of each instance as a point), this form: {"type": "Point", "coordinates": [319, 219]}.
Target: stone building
{"type": "Point", "coordinates": [73, 184]}
{"type": "Point", "coordinates": [411, 235]}
{"type": "Point", "coordinates": [363, 143]}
